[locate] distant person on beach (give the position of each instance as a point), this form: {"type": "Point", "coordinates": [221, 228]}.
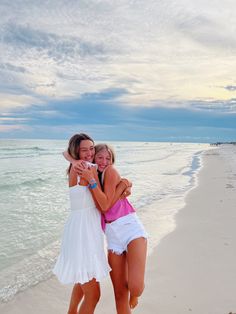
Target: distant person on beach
{"type": "Point", "coordinates": [82, 258]}
{"type": "Point", "coordinates": [126, 237]}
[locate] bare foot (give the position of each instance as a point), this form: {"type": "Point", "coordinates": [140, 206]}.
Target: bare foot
{"type": "Point", "coordinates": [133, 302]}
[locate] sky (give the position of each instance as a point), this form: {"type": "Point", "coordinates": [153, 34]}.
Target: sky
{"type": "Point", "coordinates": [135, 70]}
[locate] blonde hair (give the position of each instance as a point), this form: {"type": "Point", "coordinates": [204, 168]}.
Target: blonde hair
{"type": "Point", "coordinates": [108, 148]}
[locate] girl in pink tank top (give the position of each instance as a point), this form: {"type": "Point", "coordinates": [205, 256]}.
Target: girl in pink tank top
{"type": "Point", "coordinates": [126, 236]}
{"type": "Point", "coordinates": [120, 208]}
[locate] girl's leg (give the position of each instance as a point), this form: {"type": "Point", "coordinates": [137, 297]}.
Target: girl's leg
{"type": "Point", "coordinates": [136, 258]}
{"type": "Point", "coordinates": [91, 291]}
{"type": "Point", "coordinates": [120, 281]}
{"type": "Point", "coordinates": [76, 297]}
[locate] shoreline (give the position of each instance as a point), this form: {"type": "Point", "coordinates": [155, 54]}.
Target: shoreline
{"type": "Point", "coordinates": [173, 266]}
{"type": "Point", "coordinates": [194, 266]}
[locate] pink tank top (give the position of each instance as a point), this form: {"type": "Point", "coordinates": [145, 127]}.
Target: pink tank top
{"type": "Point", "coordinates": [121, 208]}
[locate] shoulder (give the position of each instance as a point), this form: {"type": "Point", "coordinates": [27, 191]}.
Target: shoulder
{"type": "Point", "coordinates": [111, 172]}
{"type": "Point", "coordinates": [110, 169]}
{"type": "Point", "coordinates": [73, 176]}
{"type": "Point", "coordinates": [72, 172]}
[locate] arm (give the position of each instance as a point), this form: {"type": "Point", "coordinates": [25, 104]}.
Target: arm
{"type": "Point", "coordinates": [77, 165]}
{"type": "Point", "coordinates": [123, 190]}
{"type": "Point", "coordinates": [112, 178]}
{"type": "Point", "coordinates": [68, 157]}
{"type": "Point", "coordinates": [73, 179]}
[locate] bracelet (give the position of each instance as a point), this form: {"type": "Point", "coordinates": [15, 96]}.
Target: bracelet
{"type": "Point", "coordinates": [93, 186]}
{"type": "Point", "coordinates": [92, 181]}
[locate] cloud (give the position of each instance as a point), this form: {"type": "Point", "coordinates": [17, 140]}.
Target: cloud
{"type": "Point", "coordinates": [231, 88]}
{"type": "Point", "coordinates": [15, 101]}
{"type": "Point", "coordinates": [11, 67]}
{"type": "Point", "coordinates": [117, 59]}
{"type": "Point", "coordinates": [226, 107]}
{"type": "Point", "coordinates": [105, 108]}
{"type": "Point", "coordinates": [11, 119]}
{"type": "Point", "coordinates": [9, 128]}
{"type": "Point", "coordinates": [55, 46]}
{"type": "Point", "coordinates": [150, 49]}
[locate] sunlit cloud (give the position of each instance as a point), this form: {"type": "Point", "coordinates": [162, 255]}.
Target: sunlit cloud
{"type": "Point", "coordinates": [14, 101]}
{"type": "Point", "coordinates": [9, 128]}
{"type": "Point", "coordinates": [9, 119]}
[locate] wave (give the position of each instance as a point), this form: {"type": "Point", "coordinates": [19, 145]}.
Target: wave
{"type": "Point", "coordinates": [11, 149]}
{"type": "Point", "coordinates": [149, 160]}
{"type": "Point", "coordinates": [27, 183]}
{"type": "Point", "coordinates": [26, 152]}
{"type": "Point", "coordinates": [28, 272]}
{"type": "Point", "coordinates": [23, 155]}
{"type": "Point", "coordinates": [195, 165]}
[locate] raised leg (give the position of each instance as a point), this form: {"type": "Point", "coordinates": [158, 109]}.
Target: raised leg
{"type": "Point", "coordinates": [136, 259]}
{"type": "Point", "coordinates": [119, 279]}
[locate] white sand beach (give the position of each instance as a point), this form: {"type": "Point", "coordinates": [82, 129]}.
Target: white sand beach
{"type": "Point", "coordinates": [192, 270]}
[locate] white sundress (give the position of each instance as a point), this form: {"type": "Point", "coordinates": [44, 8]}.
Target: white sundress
{"type": "Point", "coordinates": [82, 256]}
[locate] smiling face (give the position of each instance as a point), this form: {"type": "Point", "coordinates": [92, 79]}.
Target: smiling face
{"type": "Point", "coordinates": [103, 159]}
{"type": "Point", "coordinates": [86, 150]}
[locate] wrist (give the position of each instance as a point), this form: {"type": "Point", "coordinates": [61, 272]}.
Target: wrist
{"type": "Point", "coordinates": [92, 184]}
{"type": "Point", "coordinates": [92, 180]}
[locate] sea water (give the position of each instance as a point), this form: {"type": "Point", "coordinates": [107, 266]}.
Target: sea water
{"type": "Point", "coordinates": [34, 199]}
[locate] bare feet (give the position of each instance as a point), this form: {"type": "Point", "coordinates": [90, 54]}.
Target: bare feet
{"type": "Point", "coordinates": [133, 302]}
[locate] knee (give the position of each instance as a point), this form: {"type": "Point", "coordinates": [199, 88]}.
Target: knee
{"type": "Point", "coordinates": [96, 296]}
{"type": "Point", "coordinates": [136, 289]}
{"type": "Point", "coordinates": [121, 293]}
{"type": "Point", "coordinates": [92, 297]}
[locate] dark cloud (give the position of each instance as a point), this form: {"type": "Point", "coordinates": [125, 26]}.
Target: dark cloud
{"type": "Point", "coordinates": [58, 47]}
{"type": "Point", "coordinates": [216, 107]}
{"type": "Point", "coordinates": [230, 88]}
{"type": "Point", "coordinates": [102, 114]}
{"type": "Point", "coordinates": [12, 67]}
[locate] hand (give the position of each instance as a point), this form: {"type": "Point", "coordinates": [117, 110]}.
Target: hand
{"type": "Point", "coordinates": [127, 182]}
{"type": "Point", "coordinates": [87, 174]}
{"type": "Point", "coordinates": [79, 166]}
{"type": "Point", "coordinates": [126, 193]}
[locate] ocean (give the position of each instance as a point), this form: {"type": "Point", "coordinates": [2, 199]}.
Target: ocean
{"type": "Point", "coordinates": [34, 199]}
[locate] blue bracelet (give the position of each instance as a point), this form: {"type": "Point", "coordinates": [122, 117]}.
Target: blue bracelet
{"type": "Point", "coordinates": [93, 186]}
{"type": "Point", "coordinates": [92, 181]}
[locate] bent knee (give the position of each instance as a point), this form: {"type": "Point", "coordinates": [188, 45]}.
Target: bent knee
{"type": "Point", "coordinates": [96, 296]}
{"type": "Point", "coordinates": [92, 296]}
{"type": "Point", "coordinates": [136, 289]}
{"type": "Point", "coordinates": [121, 292]}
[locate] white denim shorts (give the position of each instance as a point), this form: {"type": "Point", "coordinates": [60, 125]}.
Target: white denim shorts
{"type": "Point", "coordinates": [122, 231]}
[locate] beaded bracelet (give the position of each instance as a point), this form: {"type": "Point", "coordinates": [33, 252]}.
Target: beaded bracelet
{"type": "Point", "coordinates": [93, 186]}
{"type": "Point", "coordinates": [92, 181]}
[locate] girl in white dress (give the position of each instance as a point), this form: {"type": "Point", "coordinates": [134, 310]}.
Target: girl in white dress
{"type": "Point", "coordinates": [82, 260]}
{"type": "Point", "coordinates": [126, 236]}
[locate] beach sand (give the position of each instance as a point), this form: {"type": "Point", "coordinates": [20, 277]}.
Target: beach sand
{"type": "Point", "coordinates": [192, 270]}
